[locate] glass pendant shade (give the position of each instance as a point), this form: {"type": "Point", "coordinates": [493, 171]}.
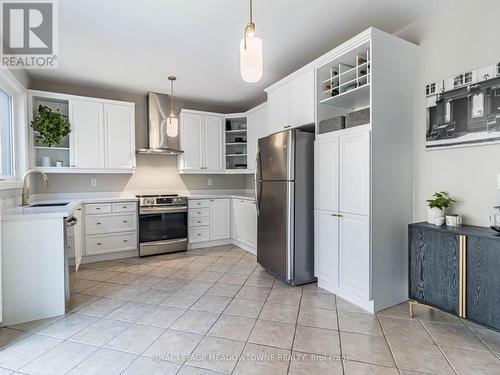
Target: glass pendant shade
{"type": "Point", "coordinates": [251, 66]}
{"type": "Point", "coordinates": [172, 126]}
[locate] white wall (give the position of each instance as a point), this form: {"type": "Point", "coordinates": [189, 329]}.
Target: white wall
{"type": "Point", "coordinates": [458, 38]}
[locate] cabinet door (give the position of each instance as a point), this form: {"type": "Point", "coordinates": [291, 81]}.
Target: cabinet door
{"type": "Point", "coordinates": [326, 173]}
{"type": "Point", "coordinates": [250, 220]}
{"type": "Point", "coordinates": [220, 219]}
{"type": "Point", "coordinates": [483, 281]}
{"type": "Point", "coordinates": [301, 96]}
{"type": "Point", "coordinates": [354, 255]}
{"type": "Point", "coordinates": [257, 127]}
{"type": "Point", "coordinates": [213, 140]}
{"type": "Point", "coordinates": [88, 133]}
{"type": "Point", "coordinates": [78, 231]}
{"type": "Point", "coordinates": [433, 277]}
{"type": "Point", "coordinates": [191, 141]}
{"type": "Point", "coordinates": [326, 247]}
{"type": "Point", "coordinates": [355, 173]}
{"type": "Point", "coordinates": [278, 109]}
{"type": "Point", "coordinates": [119, 125]}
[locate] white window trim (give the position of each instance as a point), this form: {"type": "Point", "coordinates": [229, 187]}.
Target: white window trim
{"type": "Point", "coordinates": [10, 85]}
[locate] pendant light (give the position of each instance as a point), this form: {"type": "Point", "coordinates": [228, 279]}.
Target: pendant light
{"type": "Point", "coordinates": [251, 53]}
{"type": "Point", "coordinates": [172, 121]}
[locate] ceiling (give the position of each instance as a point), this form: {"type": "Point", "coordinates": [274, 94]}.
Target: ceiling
{"type": "Point", "coordinates": [134, 45]}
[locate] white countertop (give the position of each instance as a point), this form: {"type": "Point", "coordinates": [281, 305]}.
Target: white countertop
{"type": "Point", "coordinates": [27, 212]}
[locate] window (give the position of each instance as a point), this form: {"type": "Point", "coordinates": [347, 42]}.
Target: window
{"type": "Point", "coordinates": [458, 80]}
{"type": "Point", "coordinates": [468, 77]}
{"type": "Point", "coordinates": [6, 137]}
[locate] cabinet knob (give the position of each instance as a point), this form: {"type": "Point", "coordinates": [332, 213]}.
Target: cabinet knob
{"type": "Point", "coordinates": [98, 208]}
{"type": "Point", "coordinates": [124, 206]}
{"type": "Point", "coordinates": [99, 244]}
{"type": "Point", "coordinates": [125, 221]}
{"type": "Point", "coordinates": [125, 240]}
{"type": "Point", "coordinates": [98, 223]}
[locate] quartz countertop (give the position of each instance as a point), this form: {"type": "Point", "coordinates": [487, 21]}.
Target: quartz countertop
{"type": "Point", "coordinates": [28, 212]}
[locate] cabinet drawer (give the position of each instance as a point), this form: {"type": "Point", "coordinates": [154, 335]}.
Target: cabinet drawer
{"type": "Point", "coordinates": [110, 243]}
{"type": "Point", "coordinates": [199, 234]}
{"type": "Point", "coordinates": [98, 208]}
{"type": "Point", "coordinates": [202, 212]}
{"type": "Point", "coordinates": [97, 224]}
{"type": "Point", "coordinates": [198, 203]}
{"type": "Point", "coordinates": [125, 207]}
{"type": "Point", "coordinates": [199, 222]}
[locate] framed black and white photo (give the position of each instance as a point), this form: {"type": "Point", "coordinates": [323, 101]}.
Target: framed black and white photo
{"type": "Point", "coordinates": [464, 110]}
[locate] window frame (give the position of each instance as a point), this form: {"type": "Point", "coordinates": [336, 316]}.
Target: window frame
{"type": "Point", "coordinates": [12, 87]}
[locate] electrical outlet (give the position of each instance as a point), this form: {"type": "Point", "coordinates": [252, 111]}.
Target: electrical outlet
{"type": "Point", "coordinates": [210, 182]}
{"type": "Point", "coordinates": [93, 182]}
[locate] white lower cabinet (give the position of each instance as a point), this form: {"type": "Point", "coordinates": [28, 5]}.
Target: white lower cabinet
{"type": "Point", "coordinates": [326, 243]}
{"type": "Point", "coordinates": [209, 219]}
{"type": "Point", "coordinates": [244, 223]}
{"type": "Point", "coordinates": [110, 227]}
{"type": "Point", "coordinates": [220, 213]}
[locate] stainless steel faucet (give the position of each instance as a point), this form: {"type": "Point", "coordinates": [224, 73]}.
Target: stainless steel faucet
{"type": "Point", "coordinates": [25, 196]}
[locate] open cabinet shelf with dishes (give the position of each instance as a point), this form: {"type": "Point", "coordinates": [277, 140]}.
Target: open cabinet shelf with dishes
{"type": "Point", "coordinates": [236, 142]}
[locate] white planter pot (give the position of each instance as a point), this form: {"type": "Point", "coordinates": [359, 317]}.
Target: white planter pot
{"type": "Point", "coordinates": [433, 214]}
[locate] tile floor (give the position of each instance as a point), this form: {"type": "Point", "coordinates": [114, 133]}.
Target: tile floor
{"type": "Point", "coordinates": [216, 311]}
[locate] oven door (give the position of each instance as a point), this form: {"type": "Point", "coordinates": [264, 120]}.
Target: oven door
{"type": "Point", "coordinates": [162, 229]}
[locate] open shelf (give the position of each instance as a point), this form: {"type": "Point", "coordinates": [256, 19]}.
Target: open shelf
{"type": "Point", "coordinates": [50, 148]}
{"type": "Point", "coordinates": [236, 152]}
{"type": "Point", "coordinates": [236, 131]}
{"type": "Point", "coordinates": [236, 144]}
{"type": "Point", "coordinates": [236, 155]}
{"type": "Point", "coordinates": [358, 97]}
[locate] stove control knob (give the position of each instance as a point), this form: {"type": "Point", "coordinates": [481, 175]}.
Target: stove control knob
{"type": "Point", "coordinates": [150, 201]}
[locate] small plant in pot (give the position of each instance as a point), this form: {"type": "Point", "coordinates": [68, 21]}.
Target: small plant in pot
{"type": "Point", "coordinates": [51, 126]}
{"type": "Point", "coordinates": [437, 205]}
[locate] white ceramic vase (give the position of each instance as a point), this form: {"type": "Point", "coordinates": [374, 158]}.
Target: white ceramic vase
{"type": "Point", "coordinates": [433, 214]}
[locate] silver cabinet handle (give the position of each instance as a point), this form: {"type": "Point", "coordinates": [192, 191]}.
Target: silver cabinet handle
{"type": "Point", "coordinates": [337, 215]}
{"type": "Point", "coordinates": [125, 240]}
{"type": "Point", "coordinates": [99, 244]}
{"type": "Point", "coordinates": [98, 223]}
{"type": "Point", "coordinates": [125, 221]}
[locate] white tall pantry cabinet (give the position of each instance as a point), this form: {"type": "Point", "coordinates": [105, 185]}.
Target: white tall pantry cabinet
{"type": "Point", "coordinates": [363, 174]}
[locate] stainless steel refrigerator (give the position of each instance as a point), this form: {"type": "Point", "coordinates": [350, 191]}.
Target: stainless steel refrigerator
{"type": "Point", "coordinates": [284, 189]}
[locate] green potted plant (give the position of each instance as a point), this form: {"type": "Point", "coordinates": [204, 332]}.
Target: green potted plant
{"type": "Point", "coordinates": [50, 126]}
{"type": "Point", "coordinates": [437, 205]}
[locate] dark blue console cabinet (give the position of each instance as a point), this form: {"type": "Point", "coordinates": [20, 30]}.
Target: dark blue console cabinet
{"type": "Point", "coordinates": [456, 270]}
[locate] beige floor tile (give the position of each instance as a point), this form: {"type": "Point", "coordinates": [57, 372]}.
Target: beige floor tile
{"type": "Point", "coordinates": [262, 360]}
{"type": "Point", "coordinates": [36, 325]}
{"type": "Point", "coordinates": [318, 301]}
{"type": "Point", "coordinates": [404, 329]}
{"type": "Point", "coordinates": [307, 364]}
{"type": "Point", "coordinates": [103, 275]}
{"type": "Point", "coordinates": [490, 338]}
{"type": "Point", "coordinates": [209, 276]}
{"type": "Point", "coordinates": [196, 286]}
{"type": "Point", "coordinates": [285, 296]}
{"type": "Point", "coordinates": [234, 278]}
{"type": "Point", "coordinates": [10, 336]}
{"type": "Point", "coordinates": [101, 307]}
{"type": "Point", "coordinates": [196, 321]}
{"type": "Point", "coordinates": [163, 271]}
{"type": "Point", "coordinates": [343, 305]}
{"type": "Point", "coordinates": [279, 335]}
{"type": "Point", "coordinates": [213, 347]}
{"type": "Point", "coordinates": [129, 312]}
{"type": "Point", "coordinates": [78, 301]}
{"type": "Point", "coordinates": [190, 370]}
{"type": "Point", "coordinates": [242, 269]}
{"type": "Point", "coordinates": [124, 278]}
{"type": "Point", "coordinates": [135, 339]}
{"type": "Point", "coordinates": [103, 289]}
{"type": "Point", "coordinates": [454, 335]}
{"type": "Point", "coordinates": [142, 269]}
{"type": "Point", "coordinates": [279, 313]}
{"type": "Point", "coordinates": [99, 332]}
{"type": "Point", "coordinates": [152, 296]}
{"type": "Point", "coordinates": [320, 318]}
{"type": "Point", "coordinates": [217, 267]}
{"type": "Point", "coordinates": [232, 327]}
{"type": "Point", "coordinates": [128, 292]}
{"type": "Point", "coordinates": [184, 274]}
{"type": "Point", "coordinates": [211, 303]}
{"type": "Point", "coordinates": [420, 312]}
{"type": "Point", "coordinates": [170, 285]}
{"type": "Point", "coordinates": [359, 323]}
{"type": "Point", "coordinates": [148, 366]}
{"type": "Point", "coordinates": [364, 348]}
{"type": "Point", "coordinates": [67, 326]}
{"type": "Point", "coordinates": [244, 307]}
{"type": "Point", "coordinates": [419, 356]}
{"type": "Point", "coordinates": [173, 346]}
{"type": "Point", "coordinates": [4, 371]}
{"type": "Point", "coordinates": [59, 360]}
{"type": "Point", "coordinates": [253, 293]}
{"type": "Point", "coordinates": [80, 285]}
{"type": "Point", "coordinates": [161, 316]}
{"type": "Point", "coordinates": [146, 280]}
{"type": "Point", "coordinates": [104, 361]}
{"type": "Point", "coordinates": [317, 341]}
{"type": "Point", "coordinates": [358, 368]}
{"type": "Point", "coordinates": [314, 288]}
{"type": "Point", "coordinates": [23, 352]}
{"type": "Point", "coordinates": [472, 362]}
{"type": "Point", "coordinates": [224, 290]}
{"type": "Point", "coordinates": [266, 281]}
{"type": "Point", "coordinates": [181, 299]}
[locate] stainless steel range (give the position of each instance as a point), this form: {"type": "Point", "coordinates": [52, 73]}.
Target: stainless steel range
{"type": "Point", "coordinates": [162, 224]}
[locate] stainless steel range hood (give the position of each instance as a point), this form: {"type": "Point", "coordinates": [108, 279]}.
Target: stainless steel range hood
{"type": "Point", "coordinates": [159, 141]}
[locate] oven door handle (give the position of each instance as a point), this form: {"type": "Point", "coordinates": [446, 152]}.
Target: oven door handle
{"type": "Point", "coordinates": [162, 210]}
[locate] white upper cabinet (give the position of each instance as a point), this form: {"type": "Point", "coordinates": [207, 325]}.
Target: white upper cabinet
{"type": "Point", "coordinates": [202, 140]}
{"type": "Point", "coordinates": [292, 104]}
{"type": "Point", "coordinates": [257, 127]}
{"type": "Point", "coordinates": [355, 173]}
{"type": "Point", "coordinates": [119, 129]}
{"type": "Point", "coordinates": [213, 139]}
{"type": "Point", "coordinates": [220, 219]}
{"type": "Point", "coordinates": [102, 137]}
{"type": "Point", "coordinates": [326, 173]}
{"type": "Point", "coordinates": [87, 125]}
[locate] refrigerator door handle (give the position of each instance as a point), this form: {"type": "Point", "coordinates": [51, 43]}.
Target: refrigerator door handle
{"type": "Point", "coordinates": [257, 190]}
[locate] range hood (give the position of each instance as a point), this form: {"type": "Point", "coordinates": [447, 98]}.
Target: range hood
{"type": "Point", "coordinates": [159, 141]}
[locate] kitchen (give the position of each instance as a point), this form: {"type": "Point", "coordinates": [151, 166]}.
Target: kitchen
{"type": "Point", "coordinates": [169, 221]}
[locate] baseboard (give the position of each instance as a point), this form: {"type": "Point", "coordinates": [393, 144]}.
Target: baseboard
{"type": "Point", "coordinates": [200, 245]}
{"type": "Point", "coordinates": [367, 305]}
{"type": "Point", "coordinates": [245, 247]}
{"type": "Point", "coordinates": [109, 256]}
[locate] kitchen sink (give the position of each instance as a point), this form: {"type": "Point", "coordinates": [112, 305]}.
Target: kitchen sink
{"type": "Point", "coordinates": [49, 204]}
